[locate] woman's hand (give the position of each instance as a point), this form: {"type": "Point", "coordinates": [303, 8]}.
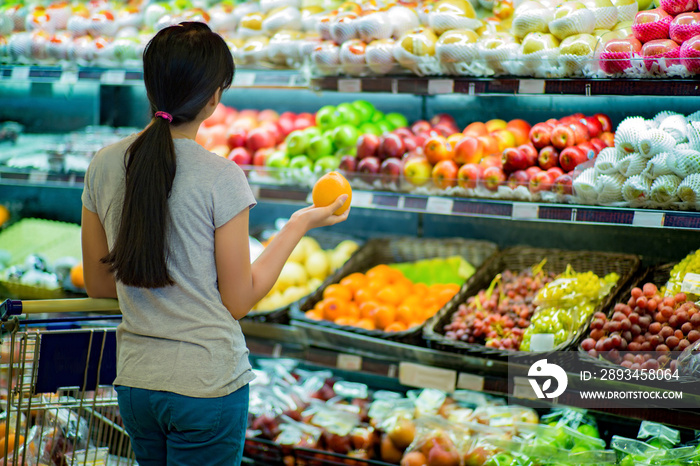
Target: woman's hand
{"type": "Point", "coordinates": [315, 217]}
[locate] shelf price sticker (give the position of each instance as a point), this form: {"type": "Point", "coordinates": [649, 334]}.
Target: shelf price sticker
{"type": "Point", "coordinates": [441, 86]}
{"type": "Point", "coordinates": [523, 389]}
{"type": "Point", "coordinates": [525, 211]}
{"type": "Point", "coordinates": [68, 77]}
{"type": "Point", "coordinates": [417, 375]}
{"type": "Point", "coordinates": [361, 199]}
{"type": "Point", "coordinates": [691, 283]}
{"type": "Point", "coordinates": [648, 219]}
{"type": "Point", "coordinates": [531, 86]}
{"type": "Point", "coordinates": [349, 85]}
{"type": "Point", "coordinates": [244, 79]}
{"type": "Point", "coordinates": [113, 77]}
{"type": "Point", "coordinates": [349, 362]}
{"type": "Point", "coordinates": [470, 382]}
{"type": "Point", "coordinates": [38, 177]}
{"type": "Point", "coordinates": [20, 73]}
{"type": "Point", "coordinates": [439, 205]}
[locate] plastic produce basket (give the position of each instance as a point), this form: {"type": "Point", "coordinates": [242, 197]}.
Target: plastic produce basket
{"type": "Point", "coordinates": [518, 259]}
{"type": "Point", "coordinates": [388, 251]}
{"type": "Point", "coordinates": [327, 240]}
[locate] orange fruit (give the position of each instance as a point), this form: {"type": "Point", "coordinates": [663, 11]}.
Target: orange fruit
{"type": "Point", "coordinates": [367, 324]}
{"type": "Point", "coordinates": [420, 289]}
{"type": "Point", "coordinates": [4, 214]}
{"type": "Point", "coordinates": [395, 327]}
{"type": "Point", "coordinates": [363, 295]}
{"type": "Point", "coordinates": [333, 308]}
{"type": "Point", "coordinates": [76, 276]}
{"type": "Point", "coordinates": [354, 281]}
{"type": "Point", "coordinates": [314, 315]}
{"type": "Point", "coordinates": [353, 310]}
{"type": "Point", "coordinates": [415, 323]}
{"type": "Point", "coordinates": [328, 188]}
{"type": "Point", "coordinates": [406, 313]}
{"type": "Point", "coordinates": [379, 273]}
{"type": "Point", "coordinates": [7, 448]}
{"type": "Point", "coordinates": [394, 276]}
{"type": "Point", "coordinates": [346, 321]}
{"type": "Point", "coordinates": [390, 295]}
{"type": "Point", "coordinates": [338, 291]}
{"type": "Point", "coordinates": [367, 309]}
{"type": "Point", "coordinates": [384, 315]}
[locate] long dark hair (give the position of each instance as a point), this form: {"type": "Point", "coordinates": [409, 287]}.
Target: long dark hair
{"type": "Point", "coordinates": [183, 67]}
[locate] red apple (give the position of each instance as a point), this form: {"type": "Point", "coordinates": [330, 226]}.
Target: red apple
{"type": "Point", "coordinates": [608, 138]}
{"type": "Point", "coordinates": [274, 131]}
{"type": "Point", "coordinates": [443, 118]}
{"type": "Point", "coordinates": [304, 120]}
{"type": "Point", "coordinates": [570, 157]}
{"type": "Point", "coordinates": [593, 125]}
{"type": "Point", "coordinates": [598, 144]}
{"type": "Point", "coordinates": [491, 161]}
{"type": "Point", "coordinates": [391, 169]}
{"type": "Point", "coordinates": [542, 181]}
{"type": "Point", "coordinates": [410, 143]}
{"type": "Point", "coordinates": [476, 129]}
{"type": "Point", "coordinates": [493, 178]}
{"type": "Point", "coordinates": [260, 156]}
{"type": "Point", "coordinates": [532, 171]}
{"type": "Point", "coordinates": [530, 152]}
{"type": "Point", "coordinates": [368, 167]}
{"type": "Point", "coordinates": [548, 157]}
{"type": "Point", "coordinates": [616, 54]}
{"type": "Point", "coordinates": [656, 50]}
{"type": "Point", "coordinates": [445, 174]}
{"type": "Point", "coordinates": [445, 129]}
{"type": "Point", "coordinates": [677, 7]}
{"type": "Point", "coordinates": [391, 145]}
{"type": "Point", "coordinates": [554, 172]}
{"type": "Point", "coordinates": [268, 115]}
{"type": "Point", "coordinates": [605, 121]}
{"type": "Point", "coordinates": [421, 126]}
{"type": "Point", "coordinates": [468, 175]}
{"type": "Point", "coordinates": [552, 122]}
{"type": "Point", "coordinates": [259, 138]}
{"type": "Point", "coordinates": [468, 150]}
{"type": "Point", "coordinates": [240, 155]}
{"type": "Point", "coordinates": [518, 178]}
{"type": "Point", "coordinates": [403, 132]}
{"type": "Point", "coordinates": [580, 131]}
{"type": "Point", "coordinates": [651, 24]}
{"type": "Point", "coordinates": [588, 149]}
{"type": "Point", "coordinates": [563, 136]}
{"type": "Point", "coordinates": [367, 145]}
{"type": "Point", "coordinates": [541, 135]}
{"type": "Point", "coordinates": [236, 137]}
{"type": "Point", "coordinates": [690, 54]}
{"type": "Point", "coordinates": [563, 184]}
{"type": "Point", "coordinates": [684, 26]}
{"type": "Point", "coordinates": [514, 159]}
{"type": "Point", "coordinates": [348, 163]}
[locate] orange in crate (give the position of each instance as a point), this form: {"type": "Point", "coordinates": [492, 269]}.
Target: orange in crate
{"type": "Point", "coordinates": [328, 188]}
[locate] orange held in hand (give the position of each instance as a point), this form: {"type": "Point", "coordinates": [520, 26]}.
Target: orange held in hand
{"type": "Point", "coordinates": [328, 188]}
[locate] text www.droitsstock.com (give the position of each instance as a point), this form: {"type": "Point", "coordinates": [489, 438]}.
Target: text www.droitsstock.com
{"type": "Point", "coordinates": [632, 395]}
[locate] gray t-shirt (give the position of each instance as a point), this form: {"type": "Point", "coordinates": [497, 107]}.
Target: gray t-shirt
{"type": "Point", "coordinates": [179, 338]}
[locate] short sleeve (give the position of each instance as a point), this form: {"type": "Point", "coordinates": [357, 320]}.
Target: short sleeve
{"type": "Point", "coordinates": [231, 194]}
{"type": "Point", "coordinates": [88, 197]}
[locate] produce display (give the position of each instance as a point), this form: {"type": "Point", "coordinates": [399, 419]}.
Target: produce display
{"type": "Point", "coordinates": [314, 410]}
{"type": "Point", "coordinates": [655, 444]}
{"type": "Point", "coordinates": [454, 37]}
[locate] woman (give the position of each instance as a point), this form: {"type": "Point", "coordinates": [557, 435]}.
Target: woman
{"type": "Point", "coordinates": [165, 229]}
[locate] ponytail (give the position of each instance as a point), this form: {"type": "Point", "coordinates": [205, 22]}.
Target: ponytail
{"type": "Point", "coordinates": [184, 67]}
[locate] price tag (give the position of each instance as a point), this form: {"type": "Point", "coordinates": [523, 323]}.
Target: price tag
{"type": "Point", "coordinates": [349, 85]}
{"type": "Point", "coordinates": [441, 86]}
{"type": "Point", "coordinates": [525, 210]}
{"type": "Point", "coordinates": [244, 79]}
{"type": "Point", "coordinates": [38, 177]}
{"type": "Point", "coordinates": [523, 389]}
{"type": "Point", "coordinates": [391, 372]}
{"type": "Point", "coordinates": [402, 202]}
{"type": "Point", "coordinates": [648, 219]}
{"type": "Point", "coordinates": [113, 77]}
{"type": "Point", "coordinates": [542, 342]}
{"type": "Point", "coordinates": [439, 205]}
{"type": "Point", "coordinates": [531, 86]}
{"type": "Point", "coordinates": [361, 199]}
{"type": "Point", "coordinates": [691, 283]}
{"type": "Point", "coordinates": [416, 375]}
{"type": "Point", "coordinates": [20, 73]}
{"type": "Point", "coordinates": [68, 77]}
{"type": "Point", "coordinates": [276, 350]}
{"type": "Point", "coordinates": [349, 362]}
{"type": "Point", "coordinates": [470, 382]}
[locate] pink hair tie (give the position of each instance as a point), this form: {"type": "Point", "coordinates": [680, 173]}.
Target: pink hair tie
{"type": "Point", "coordinates": [165, 116]}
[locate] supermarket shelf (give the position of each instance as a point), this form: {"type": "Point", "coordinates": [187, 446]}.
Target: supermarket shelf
{"type": "Point", "coordinates": [287, 79]}
{"type": "Point", "coordinates": [512, 86]}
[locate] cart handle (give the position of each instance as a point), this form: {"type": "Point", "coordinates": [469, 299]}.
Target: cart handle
{"type": "Point", "coordinates": [14, 307]}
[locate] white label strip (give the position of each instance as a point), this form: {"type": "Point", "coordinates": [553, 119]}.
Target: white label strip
{"type": "Point", "coordinates": [648, 219]}
{"type": "Point", "coordinates": [38, 177]}
{"type": "Point", "coordinates": [416, 375]}
{"type": "Point", "coordinates": [349, 362]}
{"type": "Point", "coordinates": [470, 382]}
{"type": "Point", "coordinates": [525, 210]}
{"type": "Point", "coordinates": [531, 86]}
{"type": "Point", "coordinates": [69, 77]}
{"type": "Point", "coordinates": [691, 283]}
{"type": "Point", "coordinates": [114, 77]}
{"type": "Point", "coordinates": [523, 389]}
{"type": "Point", "coordinates": [20, 73]}
{"type": "Point", "coordinates": [441, 86]}
{"type": "Point", "coordinates": [349, 85]}
{"type": "Point", "coordinates": [439, 205]}
{"type": "Point", "coordinates": [277, 350]}
{"type": "Point", "coordinates": [244, 79]}
{"type": "Point", "coordinates": [542, 342]}
{"type": "Point", "coordinates": [362, 199]}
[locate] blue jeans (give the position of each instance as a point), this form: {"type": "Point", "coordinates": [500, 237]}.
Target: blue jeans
{"type": "Point", "coordinates": [176, 430]}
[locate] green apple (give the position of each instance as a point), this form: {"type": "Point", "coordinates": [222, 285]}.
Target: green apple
{"type": "Point", "coordinates": [587, 429]}
{"type": "Point", "coordinates": [312, 131]}
{"type": "Point", "coordinates": [370, 128]}
{"type": "Point", "coordinates": [348, 114]}
{"type": "Point", "coordinates": [377, 116]}
{"type": "Point", "coordinates": [365, 109]}
{"type": "Point", "coordinates": [536, 41]}
{"type": "Point", "coordinates": [345, 135]}
{"type": "Point", "coordinates": [385, 127]}
{"type": "Point", "coordinates": [297, 142]}
{"type": "Point", "coordinates": [277, 159]}
{"type": "Point", "coordinates": [326, 164]}
{"type": "Point", "coordinates": [578, 44]}
{"type": "Point", "coordinates": [346, 151]}
{"type": "Point", "coordinates": [300, 162]}
{"type": "Point", "coordinates": [396, 119]}
{"type": "Point", "coordinates": [320, 146]}
{"type": "Point", "coordinates": [327, 117]}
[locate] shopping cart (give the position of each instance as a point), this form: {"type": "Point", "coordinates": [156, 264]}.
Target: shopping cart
{"type": "Point", "coordinates": [56, 379]}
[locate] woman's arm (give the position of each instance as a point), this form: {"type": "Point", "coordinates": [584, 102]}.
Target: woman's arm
{"type": "Point", "coordinates": [99, 281]}
{"type": "Point", "coordinates": [243, 284]}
